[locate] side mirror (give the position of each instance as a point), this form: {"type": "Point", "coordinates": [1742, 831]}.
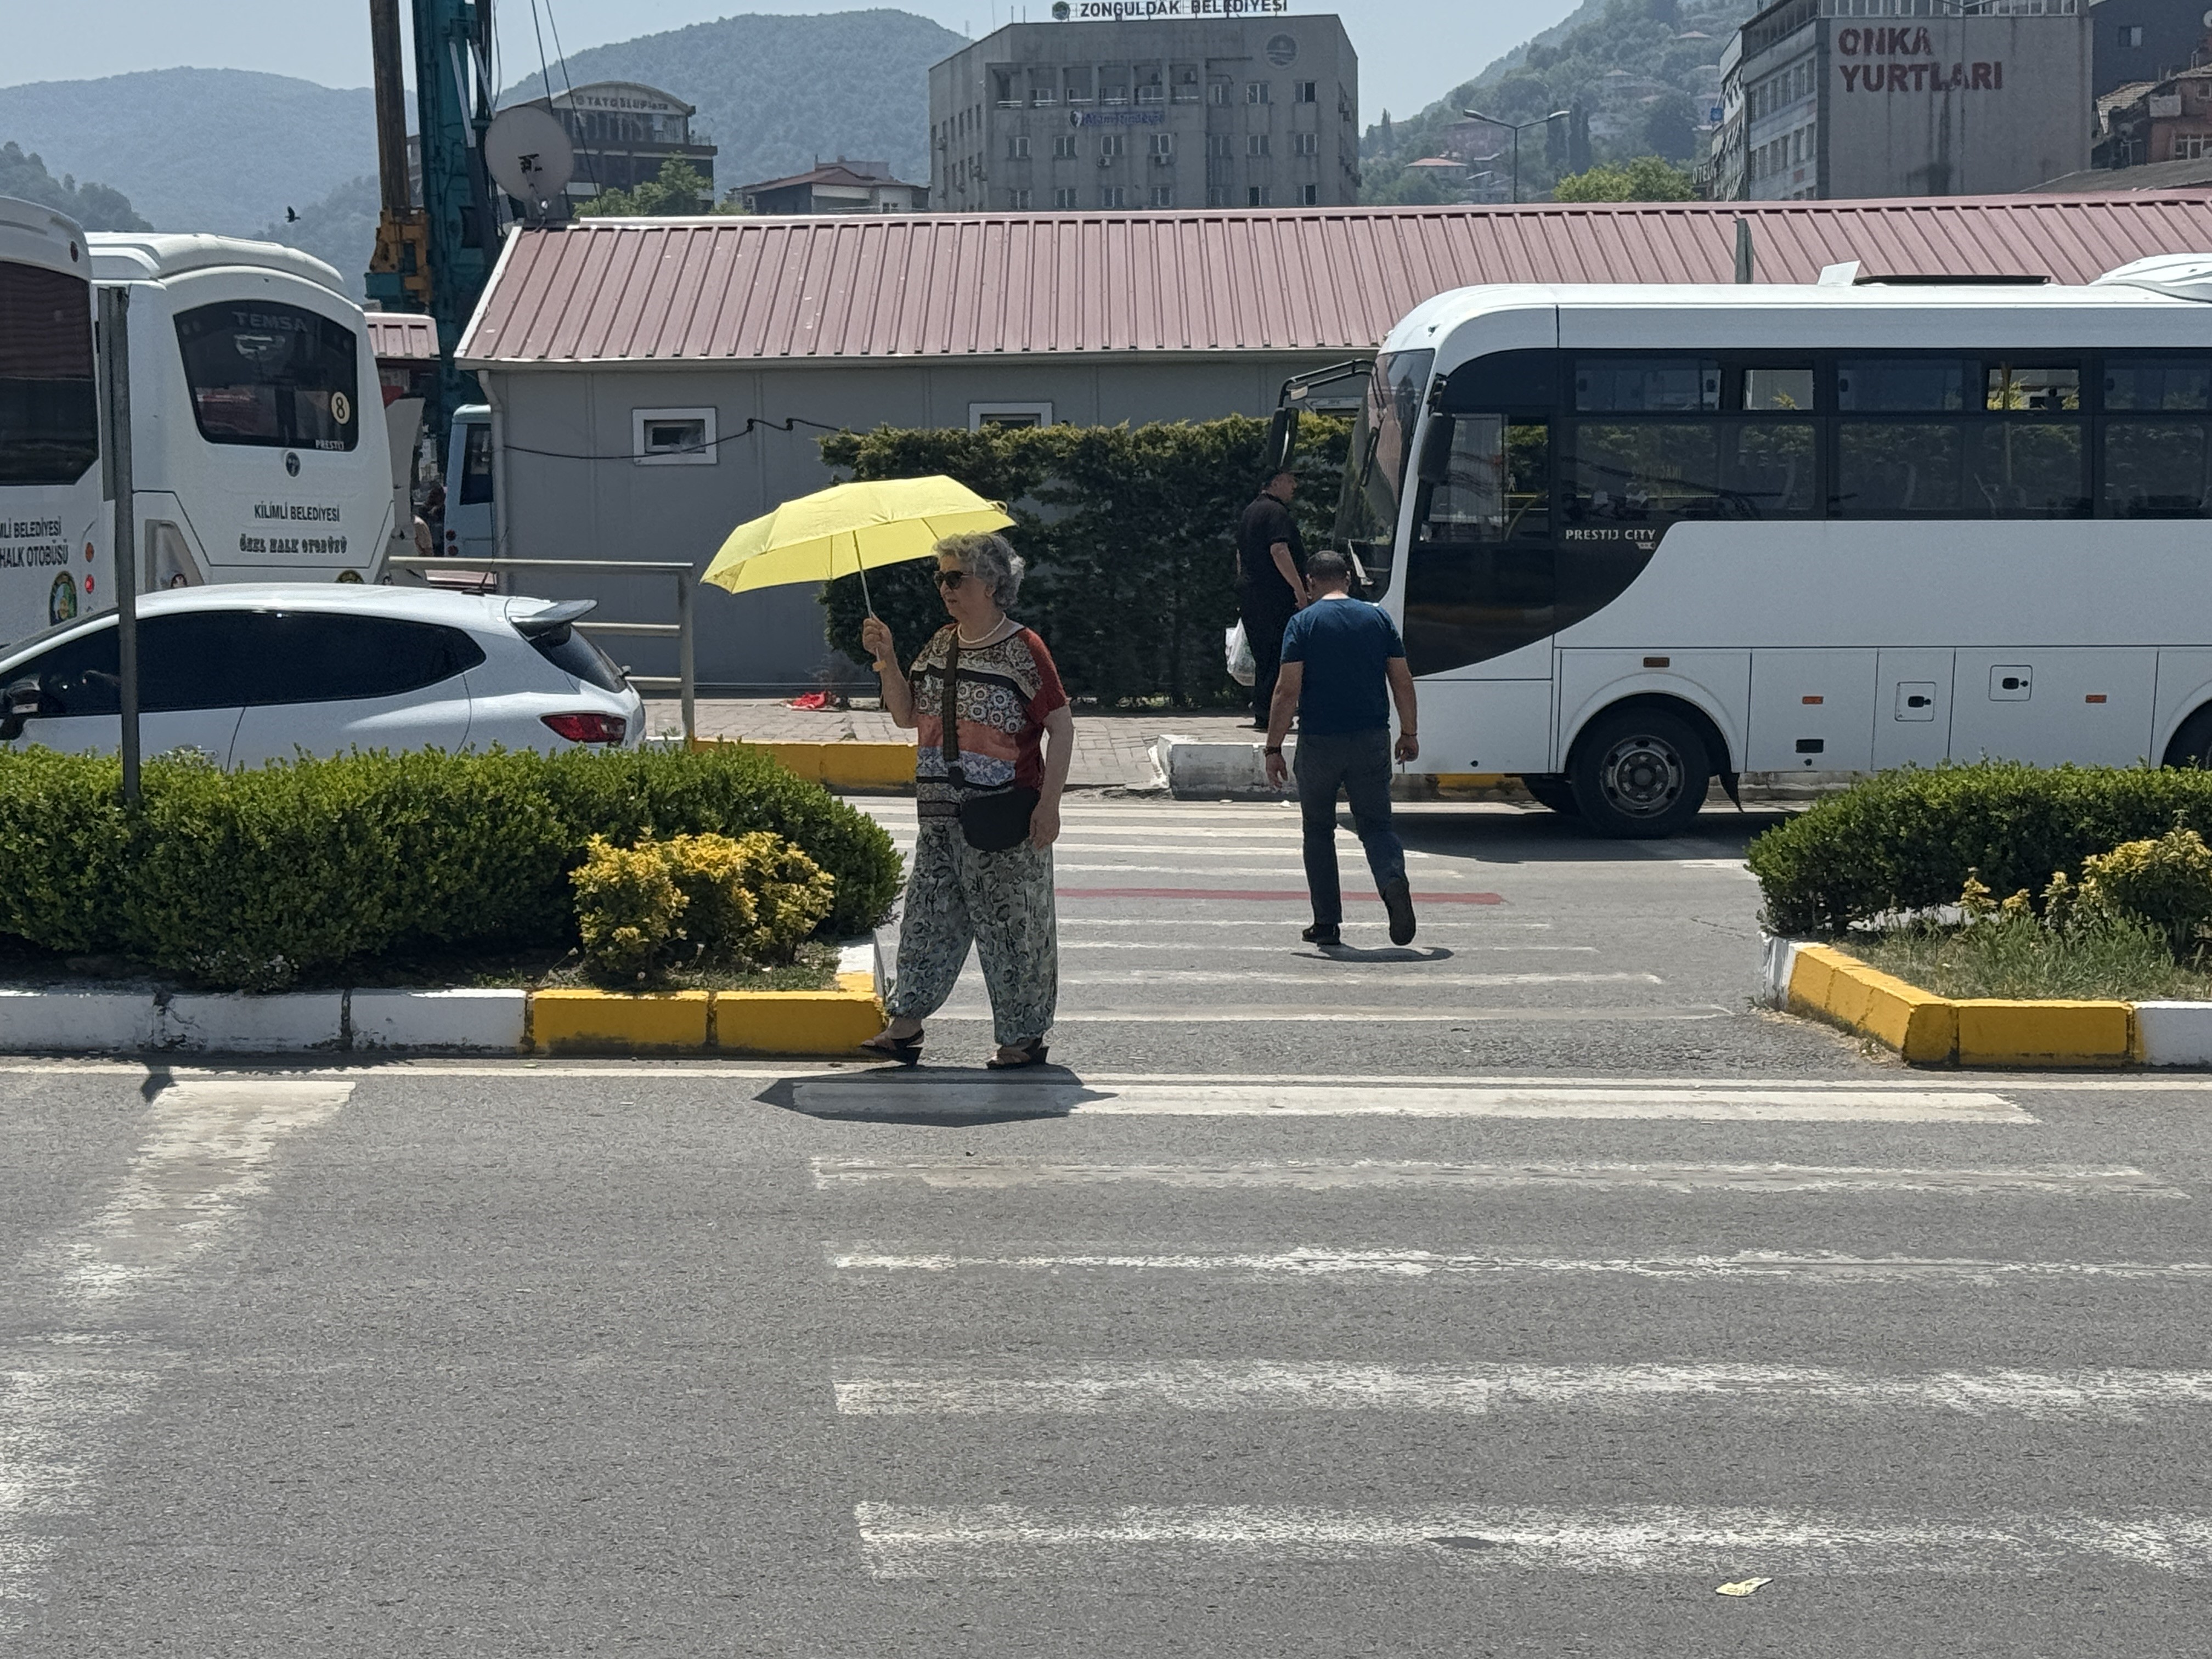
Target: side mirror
{"type": "Point", "coordinates": [1436, 450]}
{"type": "Point", "coordinates": [1282, 440]}
{"type": "Point", "coordinates": [24, 700]}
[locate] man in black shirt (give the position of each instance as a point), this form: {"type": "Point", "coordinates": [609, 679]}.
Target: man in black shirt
{"type": "Point", "coordinates": [1271, 584]}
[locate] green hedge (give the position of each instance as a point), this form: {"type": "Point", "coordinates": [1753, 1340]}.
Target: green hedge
{"type": "Point", "coordinates": [255, 880]}
{"type": "Point", "coordinates": [1127, 530]}
{"type": "Point", "coordinates": [1906, 840]}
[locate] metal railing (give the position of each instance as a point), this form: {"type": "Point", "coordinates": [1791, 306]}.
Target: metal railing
{"type": "Point", "coordinates": [686, 578]}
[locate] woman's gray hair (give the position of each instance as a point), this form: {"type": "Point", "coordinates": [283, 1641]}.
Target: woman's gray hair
{"type": "Point", "coordinates": [990, 560]}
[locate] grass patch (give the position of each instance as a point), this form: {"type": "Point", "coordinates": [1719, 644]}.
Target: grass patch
{"type": "Point", "coordinates": [2018, 957]}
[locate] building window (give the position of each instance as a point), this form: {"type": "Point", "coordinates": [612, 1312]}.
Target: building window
{"type": "Point", "coordinates": [1255, 144]}
{"type": "Point", "coordinates": [982, 415]}
{"type": "Point", "coordinates": [2131, 35]}
{"type": "Point", "coordinates": [1113, 196]}
{"type": "Point", "coordinates": [1309, 195]}
{"type": "Point", "coordinates": [1163, 144]}
{"type": "Point", "coordinates": [1185, 85]}
{"type": "Point", "coordinates": [672, 437]}
{"type": "Point", "coordinates": [1151, 92]}
{"type": "Point", "coordinates": [1308, 92]}
{"type": "Point", "coordinates": [1218, 92]}
{"type": "Point", "coordinates": [1306, 144]}
{"type": "Point", "coordinates": [1255, 92]}
{"type": "Point", "coordinates": [1018, 200]}
{"type": "Point", "coordinates": [1064, 199]}
{"type": "Point", "coordinates": [1017, 148]}
{"type": "Point", "coordinates": [1217, 146]}
{"type": "Point", "coordinates": [1216, 196]}
{"type": "Point", "coordinates": [1076, 83]}
{"type": "Point", "coordinates": [1063, 149]}
{"type": "Point", "coordinates": [1163, 195]}
{"type": "Point", "coordinates": [1255, 196]}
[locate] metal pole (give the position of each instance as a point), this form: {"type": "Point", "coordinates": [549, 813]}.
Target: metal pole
{"type": "Point", "coordinates": [1517, 165]}
{"type": "Point", "coordinates": [1744, 272]}
{"type": "Point", "coordinates": [115, 386]}
{"type": "Point", "coordinates": [683, 662]}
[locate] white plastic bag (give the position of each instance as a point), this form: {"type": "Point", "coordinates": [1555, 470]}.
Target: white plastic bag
{"type": "Point", "coordinates": [1241, 668]}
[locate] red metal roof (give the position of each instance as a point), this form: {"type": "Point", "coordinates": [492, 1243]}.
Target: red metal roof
{"type": "Point", "coordinates": [840, 288]}
{"type": "Point", "coordinates": [402, 336]}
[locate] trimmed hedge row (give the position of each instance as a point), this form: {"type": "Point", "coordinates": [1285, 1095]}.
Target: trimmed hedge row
{"type": "Point", "coordinates": [1906, 840]}
{"type": "Point", "coordinates": [254, 879]}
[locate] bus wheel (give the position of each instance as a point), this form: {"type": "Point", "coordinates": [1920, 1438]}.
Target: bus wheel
{"type": "Point", "coordinates": [1639, 774]}
{"type": "Point", "coordinates": [1555, 792]}
{"type": "Point", "coordinates": [2193, 744]}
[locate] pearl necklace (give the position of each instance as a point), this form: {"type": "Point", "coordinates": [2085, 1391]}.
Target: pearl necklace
{"type": "Point", "coordinates": [988, 633]}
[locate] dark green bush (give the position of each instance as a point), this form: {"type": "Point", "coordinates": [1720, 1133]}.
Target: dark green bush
{"type": "Point", "coordinates": [1127, 530]}
{"type": "Point", "coordinates": [1906, 840]}
{"type": "Point", "coordinates": [256, 878]}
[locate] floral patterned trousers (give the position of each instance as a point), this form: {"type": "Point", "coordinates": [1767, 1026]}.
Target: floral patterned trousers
{"type": "Point", "coordinates": [1001, 903]}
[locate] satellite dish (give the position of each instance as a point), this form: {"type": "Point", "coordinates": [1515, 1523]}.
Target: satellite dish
{"type": "Point", "coordinates": [528, 152]}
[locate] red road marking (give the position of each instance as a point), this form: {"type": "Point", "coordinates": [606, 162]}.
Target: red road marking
{"type": "Point", "coordinates": [1285, 896]}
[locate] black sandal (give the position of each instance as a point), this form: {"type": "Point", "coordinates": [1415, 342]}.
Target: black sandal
{"type": "Point", "coordinates": [1032, 1053]}
{"type": "Point", "coordinates": [905, 1050]}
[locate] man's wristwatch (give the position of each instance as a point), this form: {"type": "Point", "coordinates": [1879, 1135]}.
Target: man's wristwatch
{"type": "Point", "coordinates": [1277, 750]}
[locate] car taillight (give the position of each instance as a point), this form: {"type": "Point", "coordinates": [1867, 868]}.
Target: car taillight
{"type": "Point", "coordinates": [587, 728]}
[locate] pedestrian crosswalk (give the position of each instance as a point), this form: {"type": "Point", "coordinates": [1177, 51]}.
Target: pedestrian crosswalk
{"type": "Point", "coordinates": [1333, 1314]}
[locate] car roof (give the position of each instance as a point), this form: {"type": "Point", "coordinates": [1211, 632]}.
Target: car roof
{"type": "Point", "coordinates": [483, 611]}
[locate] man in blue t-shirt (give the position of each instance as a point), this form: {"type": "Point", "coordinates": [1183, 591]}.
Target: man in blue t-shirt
{"type": "Point", "coordinates": [1340, 655]}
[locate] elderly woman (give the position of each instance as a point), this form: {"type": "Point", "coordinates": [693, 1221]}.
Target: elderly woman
{"type": "Point", "coordinates": [988, 786]}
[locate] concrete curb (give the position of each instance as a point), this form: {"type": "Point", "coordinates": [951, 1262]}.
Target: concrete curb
{"type": "Point", "coordinates": [493, 1021]}
{"type": "Point", "coordinates": [1983, 1031]}
{"type": "Point", "coordinates": [835, 765]}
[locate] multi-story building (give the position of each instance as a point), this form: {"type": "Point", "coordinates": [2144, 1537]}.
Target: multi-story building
{"type": "Point", "coordinates": [2169, 120]}
{"type": "Point", "coordinates": [838, 186]}
{"type": "Point", "coordinates": [1180, 113]}
{"type": "Point", "coordinates": [2138, 40]}
{"type": "Point", "coordinates": [624, 133]}
{"type": "Point", "coordinates": [1859, 98]}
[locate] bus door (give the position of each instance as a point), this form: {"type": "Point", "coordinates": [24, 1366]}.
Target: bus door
{"type": "Point", "coordinates": [1482, 577]}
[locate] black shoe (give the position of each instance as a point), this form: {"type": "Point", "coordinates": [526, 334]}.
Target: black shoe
{"type": "Point", "coordinates": [1398, 900]}
{"type": "Point", "coordinates": [1032, 1052]}
{"type": "Point", "coordinates": [1322, 932]}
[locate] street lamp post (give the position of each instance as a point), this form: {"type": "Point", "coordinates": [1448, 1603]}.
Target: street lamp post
{"type": "Point", "coordinates": [1518, 129]}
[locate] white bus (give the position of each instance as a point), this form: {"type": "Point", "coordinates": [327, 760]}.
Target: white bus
{"type": "Point", "coordinates": [1639, 537]}
{"type": "Point", "coordinates": [54, 524]}
{"type": "Point", "coordinates": [258, 445]}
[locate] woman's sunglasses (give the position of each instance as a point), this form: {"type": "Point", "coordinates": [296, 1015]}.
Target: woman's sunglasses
{"type": "Point", "coordinates": [950, 578]}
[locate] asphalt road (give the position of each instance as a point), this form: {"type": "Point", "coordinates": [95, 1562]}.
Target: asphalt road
{"type": "Point", "coordinates": [1282, 1334]}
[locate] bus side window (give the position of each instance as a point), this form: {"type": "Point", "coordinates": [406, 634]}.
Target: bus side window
{"type": "Point", "coordinates": [476, 464]}
{"type": "Point", "coordinates": [2157, 437]}
{"type": "Point", "coordinates": [49, 422]}
{"type": "Point", "coordinates": [1490, 481]}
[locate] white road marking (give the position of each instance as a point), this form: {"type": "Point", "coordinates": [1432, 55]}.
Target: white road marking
{"type": "Point", "coordinates": [884, 1388]}
{"type": "Point", "coordinates": [1207, 947]}
{"type": "Point", "coordinates": [1288, 869]}
{"type": "Point", "coordinates": [1321, 1262]}
{"type": "Point", "coordinates": [1326, 975]}
{"type": "Point", "coordinates": [903, 1094]}
{"type": "Point", "coordinates": [997, 1174]}
{"type": "Point", "coordinates": [205, 1155]}
{"type": "Point", "coordinates": [1339, 1013]}
{"type": "Point", "coordinates": [1006, 1540]}
{"type": "Point", "coordinates": [1488, 923]}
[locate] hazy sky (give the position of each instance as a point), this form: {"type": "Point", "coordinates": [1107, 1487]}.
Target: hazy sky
{"type": "Point", "coordinates": [1411, 52]}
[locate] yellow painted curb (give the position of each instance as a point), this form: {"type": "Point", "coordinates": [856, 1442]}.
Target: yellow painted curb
{"type": "Point", "coordinates": [1930, 1030]}
{"type": "Point", "coordinates": [618, 1022]}
{"type": "Point", "coordinates": [837, 765]}
{"type": "Point", "coordinates": [799, 1021]}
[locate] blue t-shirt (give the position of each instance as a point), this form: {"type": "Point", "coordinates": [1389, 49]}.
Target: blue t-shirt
{"type": "Point", "coordinates": [1344, 644]}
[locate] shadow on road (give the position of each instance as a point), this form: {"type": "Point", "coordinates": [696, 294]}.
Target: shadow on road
{"type": "Point", "coordinates": [950, 1097]}
{"type": "Point", "coordinates": [1375, 953]}
{"type": "Point", "coordinates": [1510, 837]}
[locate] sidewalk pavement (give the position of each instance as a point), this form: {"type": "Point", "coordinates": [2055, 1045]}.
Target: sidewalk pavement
{"type": "Point", "coordinates": [1112, 751]}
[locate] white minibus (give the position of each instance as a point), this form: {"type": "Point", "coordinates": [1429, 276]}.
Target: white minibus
{"type": "Point", "coordinates": [470, 529]}
{"type": "Point", "coordinates": [1639, 537]}
{"type": "Point", "coordinates": [54, 523]}
{"type": "Point", "coordinates": [258, 445]}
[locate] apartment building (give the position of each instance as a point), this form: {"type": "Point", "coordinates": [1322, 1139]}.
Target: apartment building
{"type": "Point", "coordinates": [1074, 116]}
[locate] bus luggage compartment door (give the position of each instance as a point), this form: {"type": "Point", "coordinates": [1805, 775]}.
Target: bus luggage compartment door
{"type": "Point", "coordinates": [2089, 704]}
{"type": "Point", "coordinates": [1811, 711]}
{"type": "Point", "coordinates": [1911, 709]}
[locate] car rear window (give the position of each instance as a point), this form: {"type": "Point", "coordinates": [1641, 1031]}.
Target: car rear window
{"type": "Point", "coordinates": [571, 653]}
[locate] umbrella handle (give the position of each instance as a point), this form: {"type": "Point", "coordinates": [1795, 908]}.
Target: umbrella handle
{"type": "Point", "coordinates": [864, 599]}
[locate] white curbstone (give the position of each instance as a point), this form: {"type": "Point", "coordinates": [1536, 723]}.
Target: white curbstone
{"type": "Point", "coordinates": [1207, 771]}
{"type": "Point", "coordinates": [237, 1023]}
{"type": "Point", "coordinates": [1779, 958]}
{"type": "Point", "coordinates": [75, 1022]}
{"type": "Point", "coordinates": [2174, 1033]}
{"type": "Point", "coordinates": [491, 1020]}
{"type": "Point", "coordinates": [863, 956]}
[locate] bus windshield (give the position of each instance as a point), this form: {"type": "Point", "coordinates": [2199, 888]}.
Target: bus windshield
{"type": "Point", "coordinates": [276, 376]}
{"type": "Point", "coordinates": [49, 418]}
{"type": "Point", "coordinates": [1375, 466]}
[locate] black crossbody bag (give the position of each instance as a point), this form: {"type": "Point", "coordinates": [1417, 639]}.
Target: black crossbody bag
{"type": "Point", "coordinates": [996, 820]}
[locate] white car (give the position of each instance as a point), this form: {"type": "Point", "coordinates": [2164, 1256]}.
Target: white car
{"type": "Point", "coordinates": [247, 674]}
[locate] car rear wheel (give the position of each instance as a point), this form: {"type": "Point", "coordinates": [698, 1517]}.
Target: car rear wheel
{"type": "Point", "coordinates": [1640, 774]}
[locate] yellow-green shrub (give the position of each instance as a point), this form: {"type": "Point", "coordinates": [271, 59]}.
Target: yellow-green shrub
{"type": "Point", "coordinates": [752, 898]}
{"type": "Point", "coordinates": [628, 908]}
{"type": "Point", "coordinates": [2166, 883]}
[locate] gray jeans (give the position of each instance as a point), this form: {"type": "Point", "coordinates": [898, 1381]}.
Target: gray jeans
{"type": "Point", "coordinates": [1359, 763]}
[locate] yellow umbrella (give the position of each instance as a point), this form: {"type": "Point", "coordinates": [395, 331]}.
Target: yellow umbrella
{"type": "Point", "coordinates": [847, 528]}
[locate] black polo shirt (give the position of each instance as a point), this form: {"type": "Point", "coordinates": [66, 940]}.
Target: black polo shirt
{"type": "Point", "coordinates": [1264, 523]}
